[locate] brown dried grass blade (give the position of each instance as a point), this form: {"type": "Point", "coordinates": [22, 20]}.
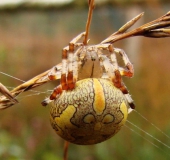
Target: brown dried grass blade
{"type": "Point", "coordinates": [159, 33]}
{"type": "Point", "coordinates": [30, 84]}
{"type": "Point", "coordinates": [7, 93]}
{"type": "Point", "coordinates": [130, 23]}
{"type": "Point", "coordinates": [146, 30]}
{"type": "Point", "coordinates": [91, 8]}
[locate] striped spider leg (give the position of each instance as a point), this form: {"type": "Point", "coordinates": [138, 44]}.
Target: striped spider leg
{"type": "Point", "coordinates": [115, 72]}
{"type": "Point", "coordinates": [68, 70]}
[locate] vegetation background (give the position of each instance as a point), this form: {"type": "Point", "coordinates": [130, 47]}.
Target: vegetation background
{"type": "Point", "coordinates": [31, 40]}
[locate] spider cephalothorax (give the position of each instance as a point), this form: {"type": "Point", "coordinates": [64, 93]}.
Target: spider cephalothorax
{"type": "Point", "coordinates": [90, 62]}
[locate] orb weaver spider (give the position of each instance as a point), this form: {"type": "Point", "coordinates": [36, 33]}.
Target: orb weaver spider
{"type": "Point", "coordinates": [91, 103]}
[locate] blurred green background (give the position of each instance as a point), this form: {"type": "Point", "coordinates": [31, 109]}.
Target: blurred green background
{"type": "Point", "coordinates": [31, 40]}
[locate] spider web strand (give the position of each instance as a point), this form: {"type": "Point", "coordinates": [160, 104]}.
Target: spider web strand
{"type": "Point", "coordinates": [149, 134]}
{"type": "Point", "coordinates": [151, 124]}
{"type": "Point", "coordinates": [146, 139]}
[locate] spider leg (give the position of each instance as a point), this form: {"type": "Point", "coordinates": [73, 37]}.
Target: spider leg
{"type": "Point", "coordinates": [67, 71]}
{"type": "Point", "coordinates": [76, 60]}
{"type": "Point", "coordinates": [113, 71]}
{"type": "Point", "coordinates": [118, 81]}
{"type": "Point", "coordinates": [112, 68]}
{"type": "Point", "coordinates": [54, 74]}
{"type": "Point", "coordinates": [56, 92]}
{"type": "Point", "coordinates": [68, 59]}
{"type": "Point", "coordinates": [128, 71]}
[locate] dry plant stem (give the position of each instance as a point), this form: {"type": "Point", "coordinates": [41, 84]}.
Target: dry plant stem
{"type": "Point", "coordinates": [30, 84]}
{"type": "Point", "coordinates": [66, 145]}
{"type": "Point", "coordinates": [91, 7]}
{"type": "Point", "coordinates": [143, 30]}
{"type": "Point", "coordinates": [7, 93]}
{"type": "Point", "coordinates": [130, 23]}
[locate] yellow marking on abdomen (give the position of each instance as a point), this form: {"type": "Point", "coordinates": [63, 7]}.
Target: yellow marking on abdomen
{"type": "Point", "coordinates": [64, 120]}
{"type": "Point", "coordinates": [99, 98]}
{"type": "Point", "coordinates": [124, 110]}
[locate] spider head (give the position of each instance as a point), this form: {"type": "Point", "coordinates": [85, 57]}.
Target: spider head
{"type": "Point", "coordinates": [90, 66]}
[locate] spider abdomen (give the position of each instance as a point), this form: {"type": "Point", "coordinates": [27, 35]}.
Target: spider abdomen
{"type": "Point", "coordinates": [91, 113]}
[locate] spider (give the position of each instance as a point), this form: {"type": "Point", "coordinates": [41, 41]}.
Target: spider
{"type": "Point", "coordinates": [80, 113]}
{"type": "Point", "coordinates": [81, 95]}
{"type": "Point", "coordinates": [91, 103]}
